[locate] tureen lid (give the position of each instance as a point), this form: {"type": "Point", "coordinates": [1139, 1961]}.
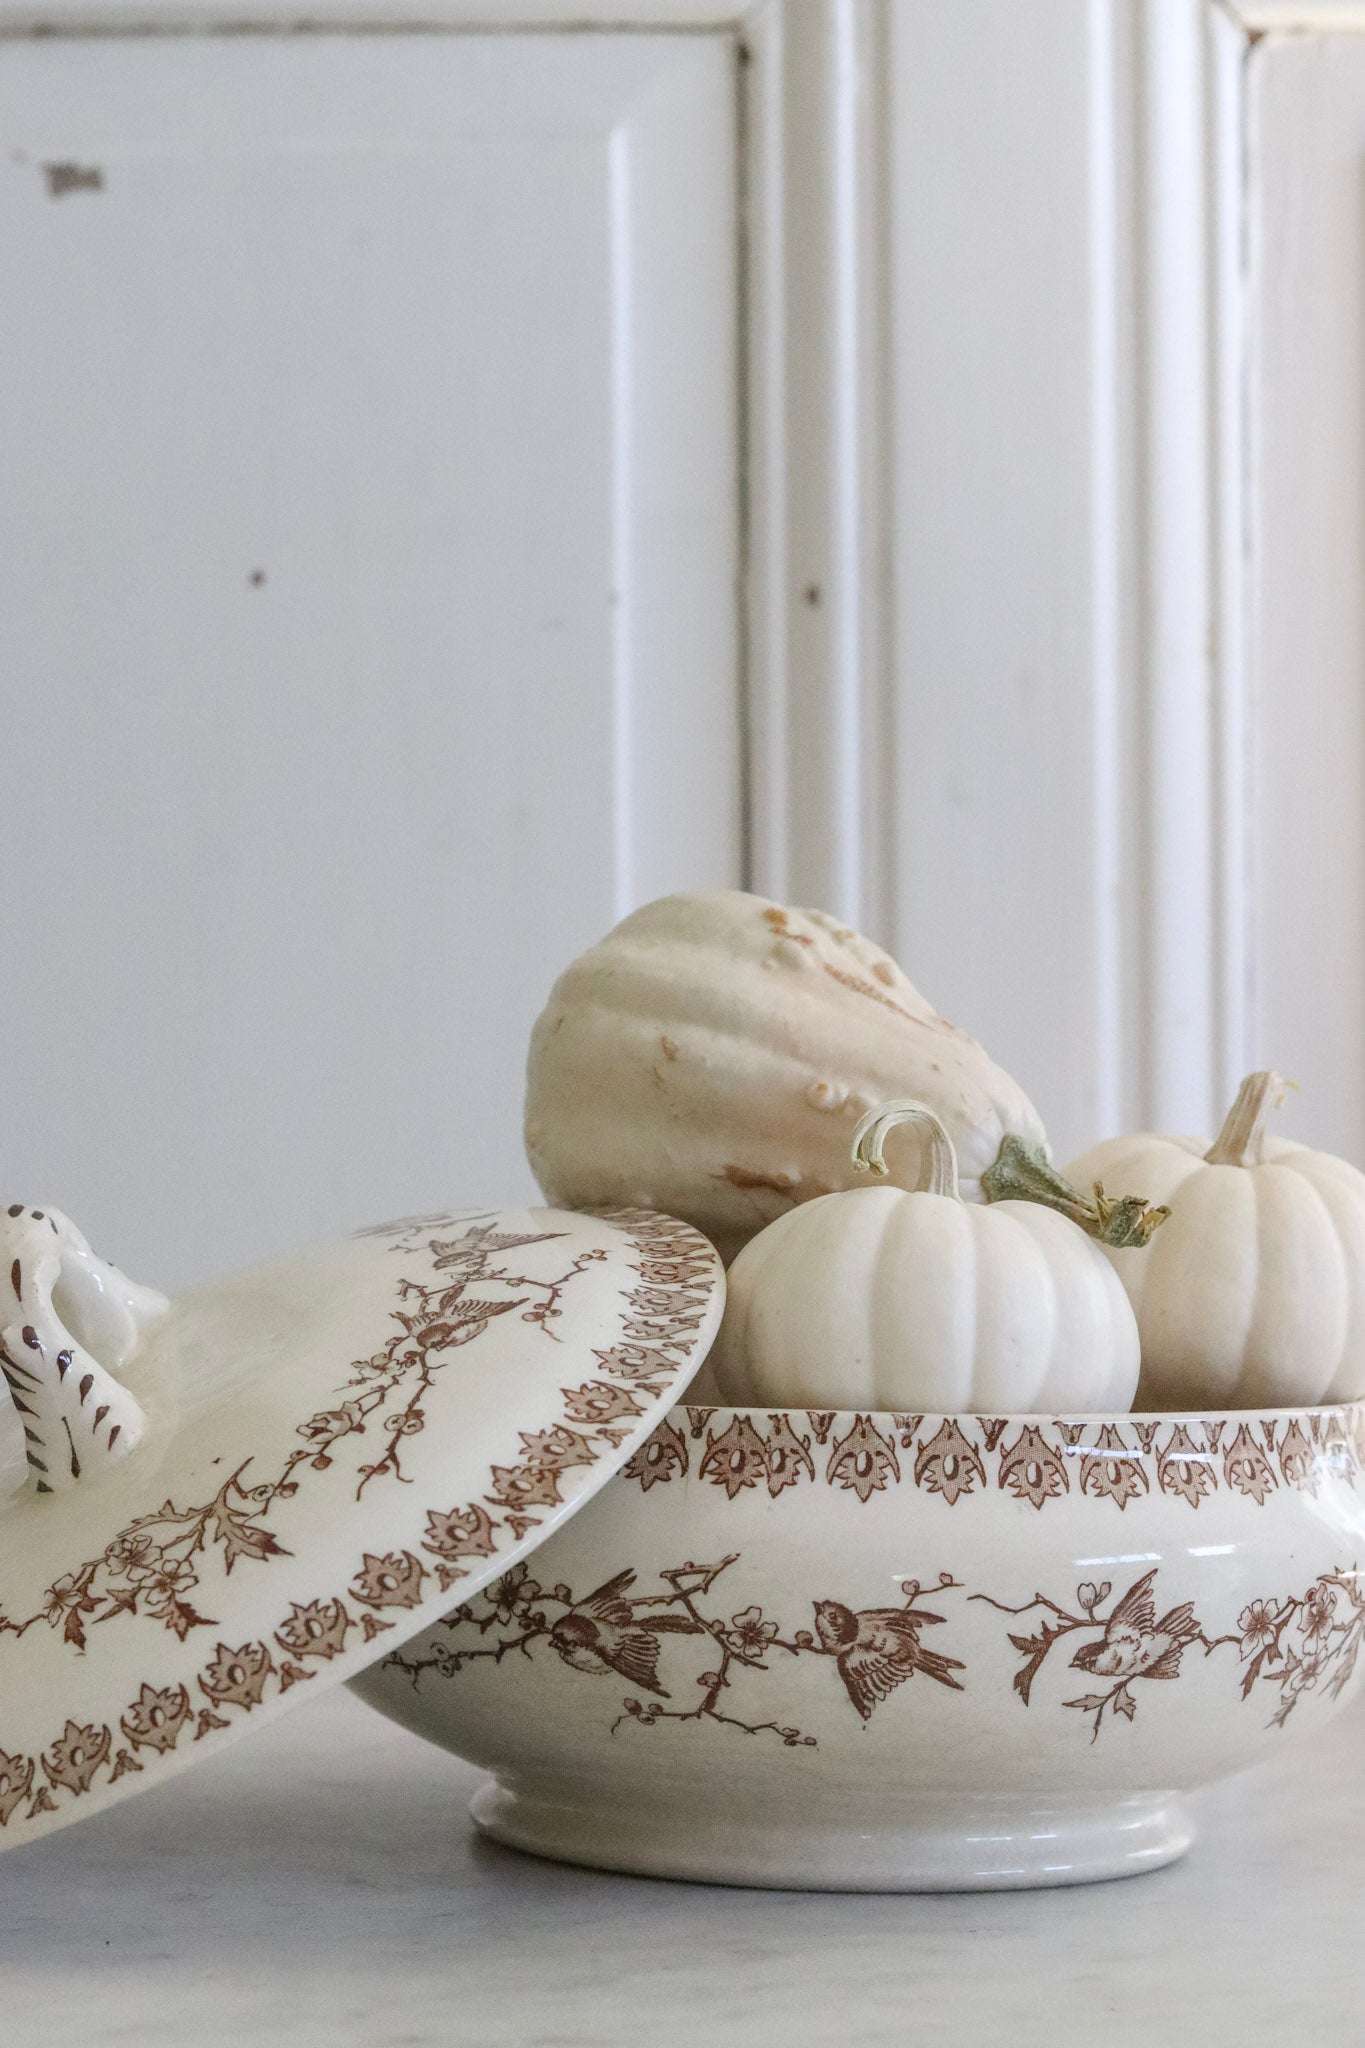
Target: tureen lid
{"type": "Point", "coordinates": [214, 1507]}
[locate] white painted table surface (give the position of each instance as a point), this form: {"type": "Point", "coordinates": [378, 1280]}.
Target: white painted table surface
{"type": "Point", "coordinates": [321, 1885]}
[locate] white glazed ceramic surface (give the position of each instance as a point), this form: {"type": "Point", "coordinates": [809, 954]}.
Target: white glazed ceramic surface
{"type": "Point", "coordinates": [325, 1449]}
{"type": "Point", "coordinates": [900, 1651]}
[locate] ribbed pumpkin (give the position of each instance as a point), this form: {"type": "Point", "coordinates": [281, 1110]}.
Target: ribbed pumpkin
{"type": "Point", "coordinates": [883, 1299]}
{"type": "Point", "coordinates": [711, 1056]}
{"type": "Point", "coordinates": [1252, 1293]}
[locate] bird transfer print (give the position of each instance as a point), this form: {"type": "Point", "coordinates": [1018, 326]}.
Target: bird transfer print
{"type": "Point", "coordinates": [1122, 1642]}
{"type": "Point", "coordinates": [616, 1631]}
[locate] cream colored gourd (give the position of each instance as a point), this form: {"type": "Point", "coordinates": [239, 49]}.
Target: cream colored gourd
{"type": "Point", "coordinates": [1252, 1294]}
{"type": "Point", "coordinates": [711, 1056]}
{"type": "Point", "coordinates": [883, 1299]}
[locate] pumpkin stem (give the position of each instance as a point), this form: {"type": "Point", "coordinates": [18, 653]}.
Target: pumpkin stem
{"type": "Point", "coordinates": [1023, 1173]}
{"type": "Point", "coordinates": [1241, 1142]}
{"type": "Point", "coordinates": [937, 1159]}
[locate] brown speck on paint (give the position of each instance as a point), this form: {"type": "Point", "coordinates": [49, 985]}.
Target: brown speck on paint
{"type": "Point", "coordinates": [256, 578]}
{"type": "Point", "coordinates": [812, 595]}
{"type": "Point", "coordinates": [68, 177]}
{"type": "Point", "coordinates": [670, 1047]}
{"type": "Point", "coordinates": [16, 1280]}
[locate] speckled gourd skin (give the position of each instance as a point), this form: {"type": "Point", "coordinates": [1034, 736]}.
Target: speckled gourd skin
{"type": "Point", "coordinates": [712, 1055]}
{"type": "Point", "coordinates": [1252, 1292]}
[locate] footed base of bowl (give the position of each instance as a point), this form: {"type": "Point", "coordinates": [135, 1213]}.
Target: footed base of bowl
{"type": "Point", "coordinates": [987, 1850]}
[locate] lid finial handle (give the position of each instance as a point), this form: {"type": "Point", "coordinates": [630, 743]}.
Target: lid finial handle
{"type": "Point", "coordinates": [69, 1324]}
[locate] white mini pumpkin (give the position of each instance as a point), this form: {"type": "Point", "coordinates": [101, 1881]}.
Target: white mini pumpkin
{"type": "Point", "coordinates": [1252, 1294]}
{"type": "Point", "coordinates": [882, 1299]}
{"type": "Point", "coordinates": [712, 1054]}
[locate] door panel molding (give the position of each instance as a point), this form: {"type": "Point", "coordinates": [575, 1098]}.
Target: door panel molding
{"type": "Point", "coordinates": [1071, 835]}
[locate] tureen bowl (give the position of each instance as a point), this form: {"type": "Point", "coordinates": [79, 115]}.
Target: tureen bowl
{"type": "Point", "coordinates": [904, 1652]}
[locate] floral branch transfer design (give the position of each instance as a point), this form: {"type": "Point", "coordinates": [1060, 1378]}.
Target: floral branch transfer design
{"type": "Point", "coordinates": [153, 1566]}
{"type": "Point", "coordinates": [1294, 1645]}
{"type": "Point", "coordinates": [616, 1631]}
{"type": "Point", "coordinates": [149, 1566]}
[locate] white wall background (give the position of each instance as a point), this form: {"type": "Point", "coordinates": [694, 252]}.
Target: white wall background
{"type": "Point", "coordinates": [467, 473]}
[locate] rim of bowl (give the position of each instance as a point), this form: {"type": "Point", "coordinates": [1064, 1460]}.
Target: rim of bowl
{"type": "Point", "coordinates": [1035, 1416]}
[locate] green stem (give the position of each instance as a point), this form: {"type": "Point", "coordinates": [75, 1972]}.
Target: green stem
{"type": "Point", "coordinates": [1022, 1173]}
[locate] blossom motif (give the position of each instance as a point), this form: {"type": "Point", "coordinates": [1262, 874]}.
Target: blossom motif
{"type": "Point", "coordinates": [749, 1634]}
{"type": "Point", "coordinates": [1303, 1676]}
{"type": "Point", "coordinates": [164, 1583]}
{"type": "Point", "coordinates": [1257, 1624]}
{"type": "Point", "coordinates": [315, 1630]}
{"type": "Point", "coordinates": [155, 1719]}
{"type": "Point", "coordinates": [129, 1550]}
{"type": "Point", "coordinates": [332, 1423]}
{"type": "Point", "coordinates": [394, 1580]}
{"type": "Point", "coordinates": [1318, 1612]}
{"type": "Point", "coordinates": [62, 1596]}
{"type": "Point", "coordinates": [237, 1677]}
{"type": "Point", "coordinates": [513, 1595]}
{"type": "Point", "coordinates": [76, 1756]}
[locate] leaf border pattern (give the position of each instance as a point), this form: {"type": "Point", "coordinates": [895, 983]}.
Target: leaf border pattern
{"type": "Point", "coordinates": [148, 1566]}
{"type": "Point", "coordinates": [958, 1457]}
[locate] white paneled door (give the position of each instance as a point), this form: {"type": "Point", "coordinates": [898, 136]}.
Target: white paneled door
{"type": "Point", "coordinates": [368, 597]}
{"type": "Point", "coordinates": [456, 485]}
{"type": "Point", "coordinates": [1306, 199]}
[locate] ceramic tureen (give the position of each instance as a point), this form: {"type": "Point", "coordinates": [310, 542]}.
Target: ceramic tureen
{"type": "Point", "coordinates": [445, 1459]}
{"type": "Point", "coordinates": [896, 1651]}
